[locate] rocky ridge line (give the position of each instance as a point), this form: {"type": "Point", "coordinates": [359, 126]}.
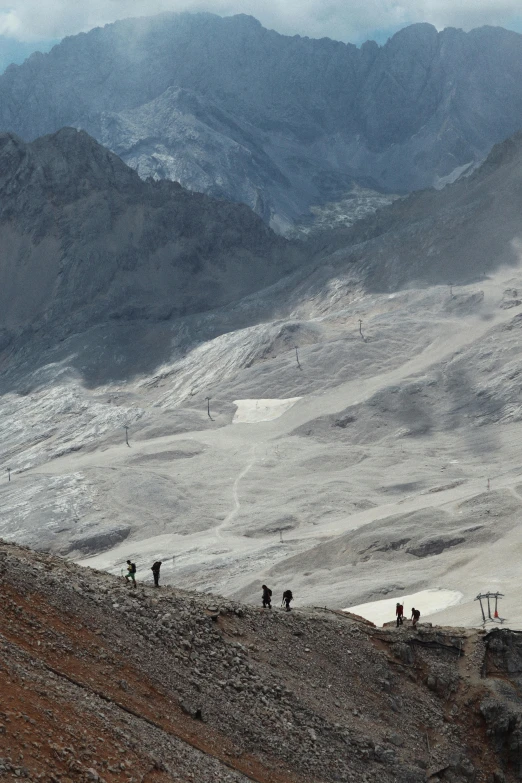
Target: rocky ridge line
{"type": "Point", "coordinates": [185, 686]}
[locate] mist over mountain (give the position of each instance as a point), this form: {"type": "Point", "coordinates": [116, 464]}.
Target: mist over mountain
{"type": "Point", "coordinates": [14, 51]}
{"type": "Point", "coordinates": [226, 107]}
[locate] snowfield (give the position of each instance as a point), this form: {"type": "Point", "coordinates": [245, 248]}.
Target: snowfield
{"type": "Point", "coordinates": [427, 601]}
{"type": "Point", "coordinates": [254, 411]}
{"type": "Point", "coordinates": [366, 474]}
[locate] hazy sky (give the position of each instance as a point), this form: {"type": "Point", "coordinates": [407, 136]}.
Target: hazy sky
{"type": "Point", "coordinates": [347, 20]}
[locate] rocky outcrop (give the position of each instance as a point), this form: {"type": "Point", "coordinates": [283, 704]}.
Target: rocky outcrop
{"type": "Point", "coordinates": [227, 107]}
{"type": "Point", "coordinates": [134, 683]}
{"type": "Point", "coordinates": [502, 711]}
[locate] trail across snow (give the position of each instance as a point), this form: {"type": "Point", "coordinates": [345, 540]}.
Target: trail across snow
{"type": "Point", "coordinates": [235, 495]}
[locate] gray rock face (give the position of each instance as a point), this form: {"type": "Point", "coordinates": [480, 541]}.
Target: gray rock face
{"type": "Point", "coordinates": [84, 239]}
{"type": "Point", "coordinates": [185, 138]}
{"type": "Point", "coordinates": [229, 108]}
{"type": "Point", "coordinates": [455, 235]}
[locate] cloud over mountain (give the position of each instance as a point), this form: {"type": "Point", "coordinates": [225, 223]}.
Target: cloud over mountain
{"type": "Point", "coordinates": [354, 21]}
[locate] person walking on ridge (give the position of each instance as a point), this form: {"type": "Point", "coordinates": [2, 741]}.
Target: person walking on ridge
{"type": "Point", "coordinates": [415, 614]}
{"type": "Point", "coordinates": [267, 597]}
{"type": "Point", "coordinates": [131, 573]}
{"type": "Point", "coordinates": [287, 597]}
{"type": "Point", "coordinates": [155, 568]}
{"type": "Point", "coordinates": [399, 612]}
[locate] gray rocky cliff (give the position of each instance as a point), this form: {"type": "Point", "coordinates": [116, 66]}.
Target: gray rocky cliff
{"type": "Point", "coordinates": [280, 123]}
{"type": "Point", "coordinates": [83, 239]}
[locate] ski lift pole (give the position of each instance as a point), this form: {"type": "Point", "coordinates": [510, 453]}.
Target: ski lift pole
{"type": "Point", "coordinates": [479, 599]}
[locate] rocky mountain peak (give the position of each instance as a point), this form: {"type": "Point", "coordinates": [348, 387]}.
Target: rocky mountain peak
{"type": "Point", "coordinates": [63, 166]}
{"type": "Point", "coordinates": [94, 238]}
{"type": "Point", "coordinates": [417, 33]}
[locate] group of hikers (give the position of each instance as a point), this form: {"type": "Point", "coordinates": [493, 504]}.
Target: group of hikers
{"type": "Point", "coordinates": [155, 568]}
{"type": "Point", "coordinates": [131, 572]}
{"type": "Point", "coordinates": [266, 595]}
{"type": "Point", "coordinates": [399, 614]}
{"type": "Point", "coordinates": [267, 598]}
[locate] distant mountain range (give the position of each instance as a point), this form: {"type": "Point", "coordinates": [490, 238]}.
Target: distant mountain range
{"type": "Point", "coordinates": [280, 123]}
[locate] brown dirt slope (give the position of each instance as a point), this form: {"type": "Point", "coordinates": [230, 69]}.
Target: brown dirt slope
{"type": "Point", "coordinates": [103, 682]}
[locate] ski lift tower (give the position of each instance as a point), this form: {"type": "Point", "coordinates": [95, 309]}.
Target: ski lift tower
{"type": "Point", "coordinates": [485, 600]}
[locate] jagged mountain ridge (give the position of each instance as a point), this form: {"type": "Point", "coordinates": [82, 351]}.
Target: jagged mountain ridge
{"type": "Point", "coordinates": [223, 105]}
{"type": "Point", "coordinates": [85, 240]}
{"type": "Point", "coordinates": [184, 136]}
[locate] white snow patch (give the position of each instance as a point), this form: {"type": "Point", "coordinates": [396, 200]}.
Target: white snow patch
{"type": "Point", "coordinates": [440, 182]}
{"type": "Point", "coordinates": [427, 601]}
{"type": "Point", "coordinates": [254, 411]}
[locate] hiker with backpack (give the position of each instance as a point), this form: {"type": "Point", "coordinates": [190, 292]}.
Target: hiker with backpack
{"type": "Point", "coordinates": [155, 568]}
{"type": "Point", "coordinates": [287, 597]}
{"type": "Point", "coordinates": [415, 615]}
{"type": "Point", "coordinates": [131, 573]}
{"type": "Point", "coordinates": [399, 613]}
{"type": "Point", "coordinates": [267, 597]}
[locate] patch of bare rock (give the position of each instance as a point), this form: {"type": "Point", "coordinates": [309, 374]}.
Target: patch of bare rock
{"type": "Point", "coordinates": [103, 682]}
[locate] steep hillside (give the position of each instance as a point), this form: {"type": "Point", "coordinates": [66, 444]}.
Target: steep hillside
{"type": "Point", "coordinates": [455, 235]}
{"type": "Point", "coordinates": [101, 682]}
{"type": "Point", "coordinates": [84, 240]}
{"type": "Point", "coordinates": [281, 123]}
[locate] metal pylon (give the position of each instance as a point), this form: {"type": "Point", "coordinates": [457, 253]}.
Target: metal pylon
{"type": "Point", "coordinates": [486, 597]}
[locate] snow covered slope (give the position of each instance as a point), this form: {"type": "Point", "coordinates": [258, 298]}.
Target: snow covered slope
{"type": "Point", "coordinates": [373, 484]}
